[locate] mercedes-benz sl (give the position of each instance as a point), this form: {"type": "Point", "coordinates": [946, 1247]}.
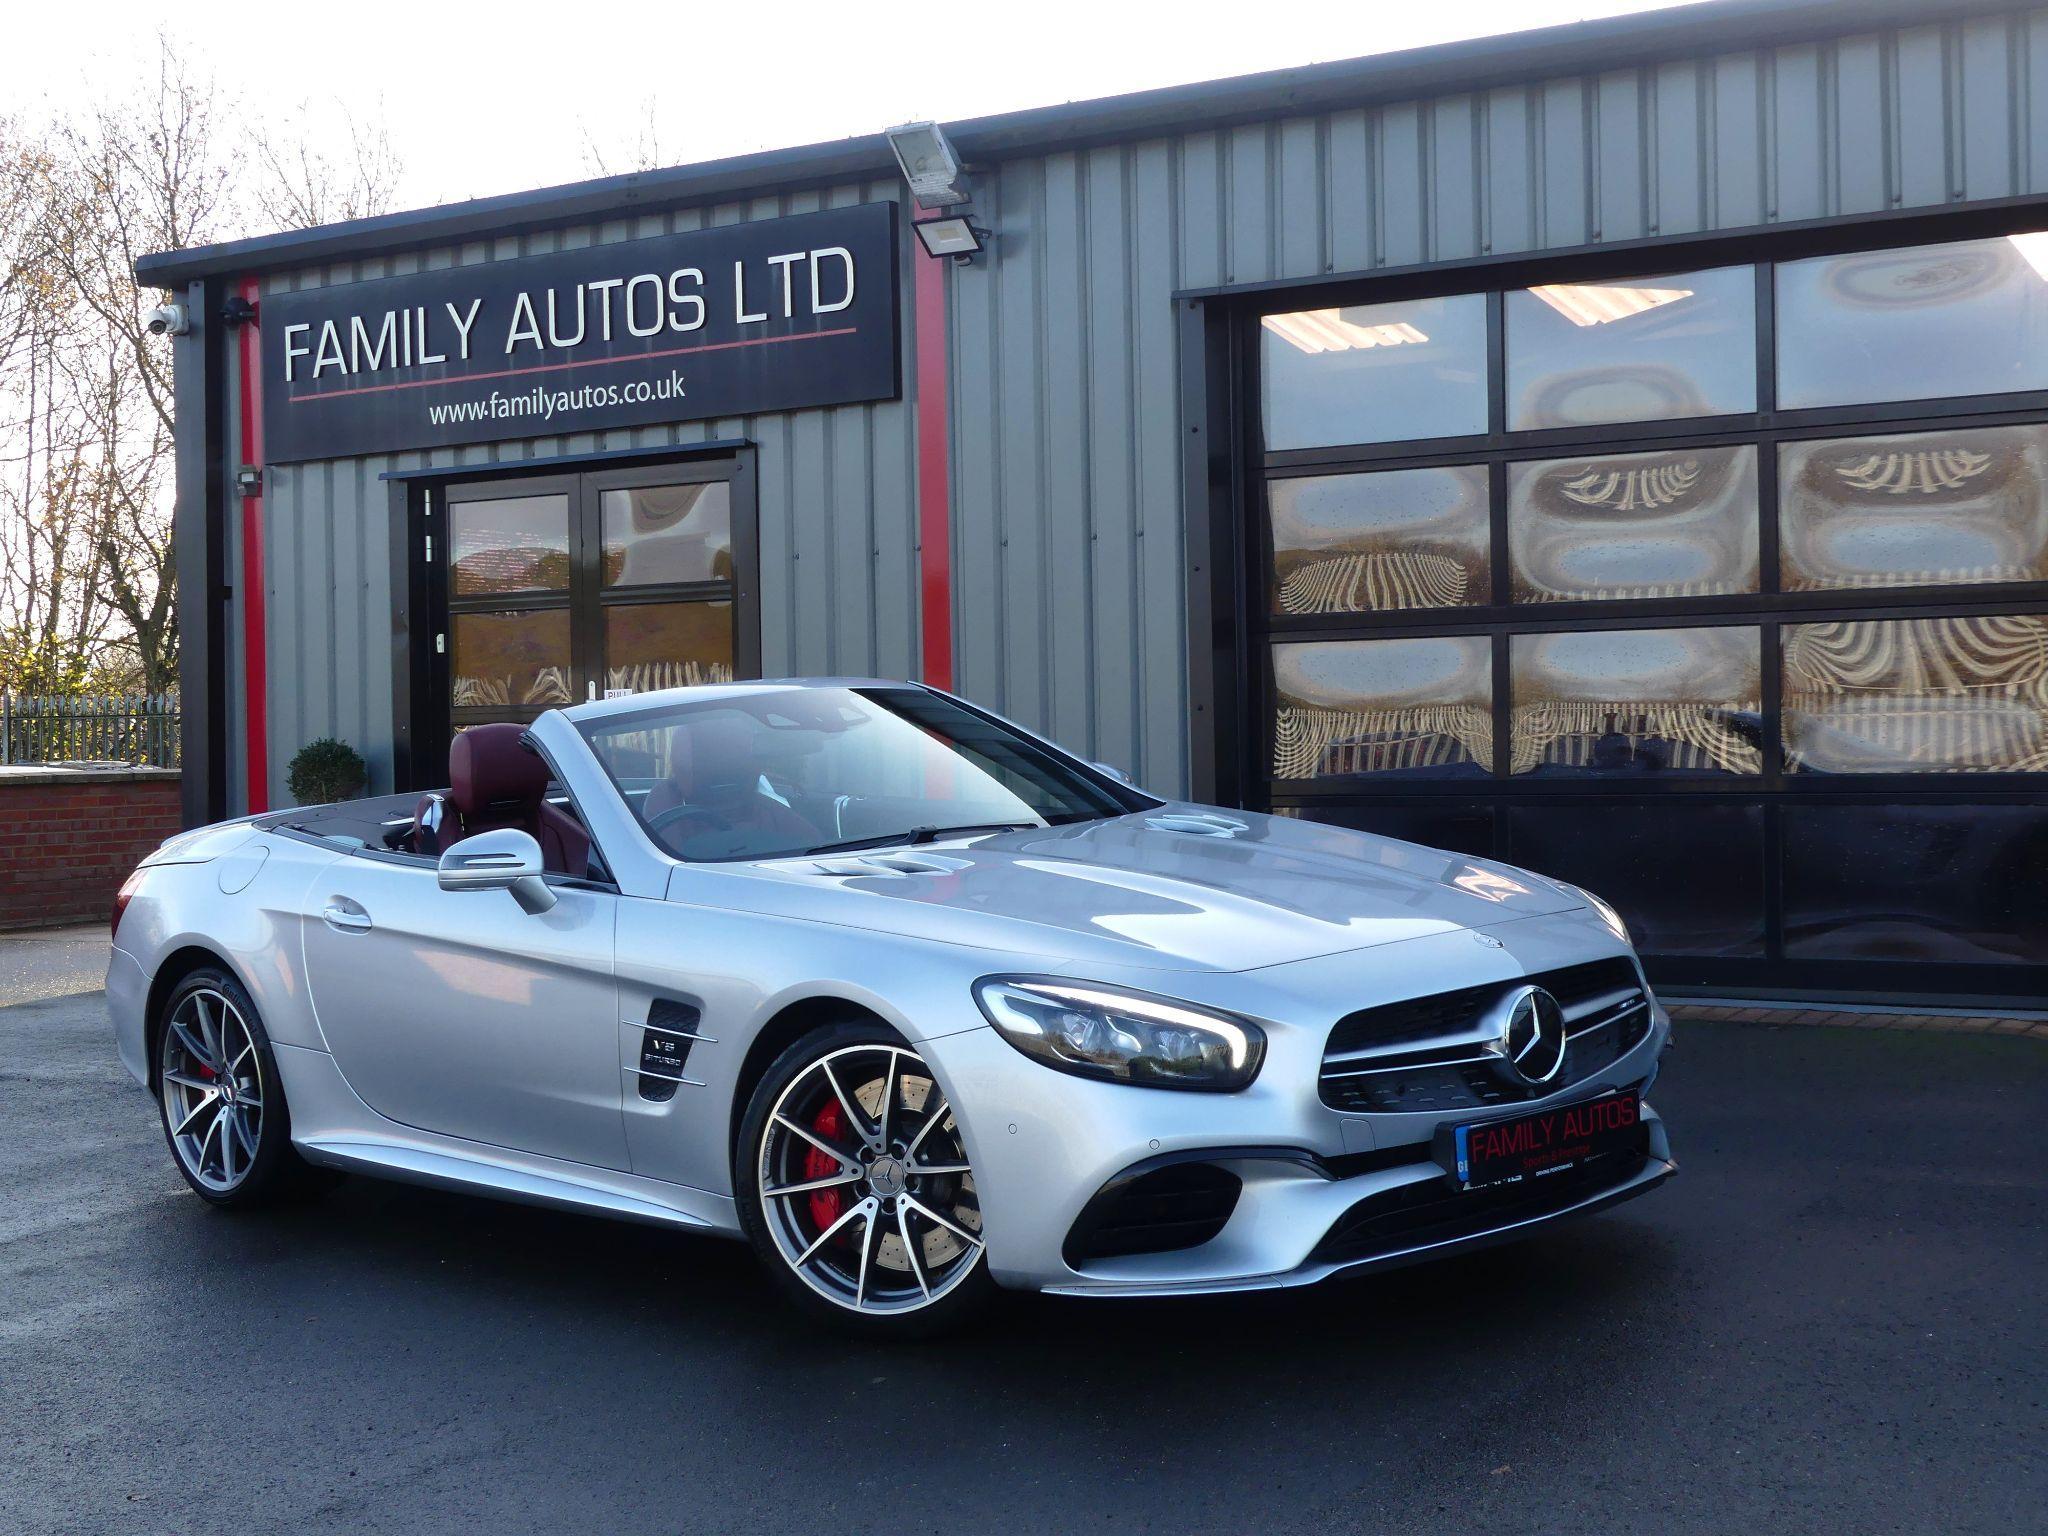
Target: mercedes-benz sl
{"type": "Point", "coordinates": [914, 1001]}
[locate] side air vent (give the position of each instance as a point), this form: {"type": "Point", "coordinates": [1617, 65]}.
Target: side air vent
{"type": "Point", "coordinates": [665, 1049]}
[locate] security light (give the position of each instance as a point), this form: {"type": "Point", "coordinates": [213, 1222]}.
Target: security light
{"type": "Point", "coordinates": [928, 164]}
{"type": "Point", "coordinates": [954, 237]}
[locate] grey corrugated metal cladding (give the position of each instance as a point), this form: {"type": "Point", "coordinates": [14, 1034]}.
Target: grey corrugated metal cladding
{"type": "Point", "coordinates": [1068, 551]}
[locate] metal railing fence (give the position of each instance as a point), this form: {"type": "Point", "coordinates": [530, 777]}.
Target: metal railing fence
{"type": "Point", "coordinates": [137, 728]}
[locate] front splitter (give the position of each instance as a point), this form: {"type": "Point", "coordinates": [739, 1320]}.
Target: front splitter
{"type": "Point", "coordinates": [1653, 1173]}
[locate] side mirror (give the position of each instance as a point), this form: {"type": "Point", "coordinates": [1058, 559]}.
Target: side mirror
{"type": "Point", "coordinates": [1115, 773]}
{"type": "Point", "coordinates": [504, 860]}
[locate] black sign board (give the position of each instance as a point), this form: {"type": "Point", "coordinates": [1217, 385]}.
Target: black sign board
{"type": "Point", "coordinates": [773, 315]}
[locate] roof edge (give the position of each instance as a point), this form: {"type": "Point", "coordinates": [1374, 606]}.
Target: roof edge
{"type": "Point", "coordinates": [1467, 65]}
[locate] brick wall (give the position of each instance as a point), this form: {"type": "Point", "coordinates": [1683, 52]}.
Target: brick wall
{"type": "Point", "coordinates": [68, 838]}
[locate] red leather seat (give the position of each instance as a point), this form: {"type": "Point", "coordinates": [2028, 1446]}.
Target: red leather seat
{"type": "Point", "coordinates": [496, 781]}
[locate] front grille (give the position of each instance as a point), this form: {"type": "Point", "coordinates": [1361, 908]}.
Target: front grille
{"type": "Point", "coordinates": [1427, 1055]}
{"type": "Point", "coordinates": [1436, 1211]}
{"type": "Point", "coordinates": [1179, 1206]}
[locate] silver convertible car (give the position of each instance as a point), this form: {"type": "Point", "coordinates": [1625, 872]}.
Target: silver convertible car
{"type": "Point", "coordinates": [915, 1001]}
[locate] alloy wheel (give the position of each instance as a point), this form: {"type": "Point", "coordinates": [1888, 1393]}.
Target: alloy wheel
{"type": "Point", "coordinates": [864, 1182]}
{"type": "Point", "coordinates": [213, 1089]}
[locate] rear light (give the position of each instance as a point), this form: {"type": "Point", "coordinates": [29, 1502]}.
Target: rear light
{"type": "Point", "coordinates": [121, 899]}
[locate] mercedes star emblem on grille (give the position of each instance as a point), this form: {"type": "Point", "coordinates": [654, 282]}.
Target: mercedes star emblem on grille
{"type": "Point", "coordinates": [1533, 1037]}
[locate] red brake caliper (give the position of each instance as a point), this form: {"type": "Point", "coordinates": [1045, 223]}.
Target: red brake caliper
{"type": "Point", "coordinates": [826, 1204]}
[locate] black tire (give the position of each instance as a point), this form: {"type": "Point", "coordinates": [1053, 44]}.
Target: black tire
{"type": "Point", "coordinates": [959, 1298]}
{"type": "Point", "coordinates": [239, 1153]}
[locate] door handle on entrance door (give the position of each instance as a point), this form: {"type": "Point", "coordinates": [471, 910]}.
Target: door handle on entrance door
{"type": "Point", "coordinates": [345, 916]}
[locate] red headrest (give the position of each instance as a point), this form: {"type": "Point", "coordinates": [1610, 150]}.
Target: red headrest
{"type": "Point", "coordinates": [492, 777]}
{"type": "Point", "coordinates": [710, 751]}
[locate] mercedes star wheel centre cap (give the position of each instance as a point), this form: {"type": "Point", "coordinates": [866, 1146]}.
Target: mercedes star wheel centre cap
{"type": "Point", "coordinates": [887, 1177]}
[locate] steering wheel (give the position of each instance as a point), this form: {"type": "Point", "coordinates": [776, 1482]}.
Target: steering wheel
{"type": "Point", "coordinates": [661, 821]}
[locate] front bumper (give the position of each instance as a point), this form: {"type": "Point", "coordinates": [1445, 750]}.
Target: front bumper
{"type": "Point", "coordinates": [1337, 1199]}
{"type": "Point", "coordinates": [1315, 1181]}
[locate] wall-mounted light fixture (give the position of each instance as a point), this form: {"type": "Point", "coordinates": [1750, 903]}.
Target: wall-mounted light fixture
{"type": "Point", "coordinates": [928, 164]}
{"type": "Point", "coordinates": [955, 237]}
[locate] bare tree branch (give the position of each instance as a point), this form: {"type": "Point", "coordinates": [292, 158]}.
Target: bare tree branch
{"type": "Point", "coordinates": [88, 573]}
{"type": "Point", "coordinates": [643, 152]}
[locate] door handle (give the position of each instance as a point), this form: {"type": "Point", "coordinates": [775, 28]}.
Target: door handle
{"type": "Point", "coordinates": [345, 916]}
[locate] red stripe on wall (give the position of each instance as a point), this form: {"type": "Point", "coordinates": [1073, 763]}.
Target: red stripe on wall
{"type": "Point", "coordinates": [255, 658]}
{"type": "Point", "coordinates": [934, 471]}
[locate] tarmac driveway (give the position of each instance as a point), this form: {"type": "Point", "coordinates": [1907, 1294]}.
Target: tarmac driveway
{"type": "Point", "coordinates": [1831, 1320]}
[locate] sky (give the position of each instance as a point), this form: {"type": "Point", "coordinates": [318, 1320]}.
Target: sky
{"type": "Point", "coordinates": [482, 99]}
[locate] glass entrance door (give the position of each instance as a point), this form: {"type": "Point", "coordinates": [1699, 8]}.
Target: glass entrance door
{"type": "Point", "coordinates": [560, 589]}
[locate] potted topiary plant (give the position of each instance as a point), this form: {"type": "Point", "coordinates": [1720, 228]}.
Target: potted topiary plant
{"type": "Point", "coordinates": [325, 771]}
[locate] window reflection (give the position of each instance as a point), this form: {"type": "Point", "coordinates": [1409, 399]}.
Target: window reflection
{"type": "Point", "coordinates": [667, 645]}
{"type": "Point", "coordinates": [1628, 852]}
{"type": "Point", "coordinates": [516, 660]}
{"type": "Point", "coordinates": [667, 533]}
{"type": "Point", "coordinates": [1649, 349]}
{"type": "Point", "coordinates": [1947, 695]}
{"type": "Point", "coordinates": [1374, 373]}
{"type": "Point", "coordinates": [1969, 505]}
{"type": "Point", "coordinates": [1420, 706]}
{"type": "Point", "coordinates": [512, 544]}
{"type": "Point", "coordinates": [1943, 883]}
{"type": "Point", "coordinates": [1966, 318]}
{"type": "Point", "coordinates": [1638, 701]}
{"type": "Point", "coordinates": [1410, 538]}
{"type": "Point", "coordinates": [1675, 524]}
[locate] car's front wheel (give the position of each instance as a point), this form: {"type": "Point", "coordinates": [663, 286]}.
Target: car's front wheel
{"type": "Point", "coordinates": [855, 1188]}
{"type": "Point", "coordinates": [223, 1107]}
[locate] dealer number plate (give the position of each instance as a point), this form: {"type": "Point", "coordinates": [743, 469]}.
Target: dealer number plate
{"type": "Point", "coordinates": [1549, 1141]}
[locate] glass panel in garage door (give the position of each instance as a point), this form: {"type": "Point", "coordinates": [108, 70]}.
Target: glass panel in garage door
{"type": "Point", "coordinates": [1411, 538]}
{"type": "Point", "coordinates": [1628, 853]}
{"type": "Point", "coordinates": [1375, 373]}
{"type": "Point", "coordinates": [1638, 701]}
{"type": "Point", "coordinates": [1420, 706]}
{"type": "Point", "coordinates": [1648, 349]}
{"type": "Point", "coordinates": [514, 544]}
{"type": "Point", "coordinates": [1681, 523]}
{"type": "Point", "coordinates": [1437, 822]}
{"type": "Point", "coordinates": [1960, 506]}
{"type": "Point", "coordinates": [1925, 883]}
{"type": "Point", "coordinates": [1967, 694]}
{"type": "Point", "coordinates": [1924, 323]}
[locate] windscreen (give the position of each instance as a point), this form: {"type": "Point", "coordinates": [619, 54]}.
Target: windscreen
{"type": "Point", "coordinates": [817, 770]}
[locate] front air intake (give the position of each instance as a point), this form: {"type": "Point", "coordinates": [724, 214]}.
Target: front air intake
{"type": "Point", "coordinates": [1181, 1205]}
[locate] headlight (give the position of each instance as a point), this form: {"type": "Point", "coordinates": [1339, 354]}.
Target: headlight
{"type": "Point", "coordinates": [1122, 1037]}
{"type": "Point", "coordinates": [1606, 913]}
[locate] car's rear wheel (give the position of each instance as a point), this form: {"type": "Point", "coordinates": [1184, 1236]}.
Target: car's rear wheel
{"type": "Point", "coordinates": [855, 1188]}
{"type": "Point", "coordinates": [223, 1107]}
